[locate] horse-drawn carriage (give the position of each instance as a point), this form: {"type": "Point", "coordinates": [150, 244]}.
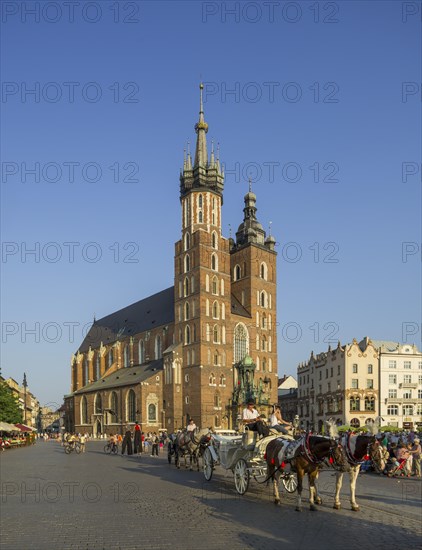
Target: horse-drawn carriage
{"type": "Point", "coordinates": [244, 455]}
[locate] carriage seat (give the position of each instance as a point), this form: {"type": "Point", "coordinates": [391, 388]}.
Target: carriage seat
{"type": "Point", "coordinates": [279, 434]}
{"type": "Point", "coordinates": [249, 439]}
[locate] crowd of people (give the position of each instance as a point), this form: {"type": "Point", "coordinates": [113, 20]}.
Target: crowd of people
{"type": "Point", "coordinates": [402, 454]}
{"type": "Point", "coordinates": [138, 442]}
{"type": "Point", "coordinates": [13, 440]}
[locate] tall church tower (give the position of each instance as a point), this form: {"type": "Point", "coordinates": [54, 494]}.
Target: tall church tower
{"type": "Point", "coordinates": [225, 302]}
{"type": "Point", "coordinates": [202, 284]}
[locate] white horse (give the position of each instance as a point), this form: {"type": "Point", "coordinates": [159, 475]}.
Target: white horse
{"type": "Point", "coordinates": [189, 444]}
{"type": "Point", "coordinates": [347, 457]}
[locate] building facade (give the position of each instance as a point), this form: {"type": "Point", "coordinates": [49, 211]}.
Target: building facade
{"type": "Point", "coordinates": [28, 403]}
{"type": "Point", "coordinates": [200, 348]}
{"type": "Point", "coordinates": [358, 382]}
{"type": "Point", "coordinates": [342, 384]}
{"type": "Point", "coordinates": [401, 385]}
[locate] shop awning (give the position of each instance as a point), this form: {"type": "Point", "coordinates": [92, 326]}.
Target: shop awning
{"type": "Point", "coordinates": [6, 427]}
{"type": "Point", "coordinates": [24, 428]}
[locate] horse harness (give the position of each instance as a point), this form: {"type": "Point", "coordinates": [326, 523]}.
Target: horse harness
{"type": "Point", "coordinates": [351, 459]}
{"type": "Point", "coordinates": [305, 450]}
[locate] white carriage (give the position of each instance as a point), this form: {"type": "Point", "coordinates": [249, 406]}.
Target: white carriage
{"type": "Point", "coordinates": [243, 454]}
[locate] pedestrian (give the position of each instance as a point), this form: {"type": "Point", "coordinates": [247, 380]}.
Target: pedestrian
{"type": "Point", "coordinates": [137, 447]}
{"type": "Point", "coordinates": [416, 453]}
{"type": "Point", "coordinates": [127, 443]}
{"type": "Point", "coordinates": [82, 441]}
{"type": "Point", "coordinates": [191, 427]}
{"type": "Point", "coordinates": [154, 441]}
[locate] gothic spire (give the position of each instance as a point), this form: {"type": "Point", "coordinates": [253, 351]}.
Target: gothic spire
{"type": "Point", "coordinates": [201, 172]}
{"type": "Point", "coordinates": [201, 128]}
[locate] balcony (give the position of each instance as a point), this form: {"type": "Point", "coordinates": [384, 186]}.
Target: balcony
{"type": "Point", "coordinates": [408, 385]}
{"type": "Point", "coordinates": [399, 400]}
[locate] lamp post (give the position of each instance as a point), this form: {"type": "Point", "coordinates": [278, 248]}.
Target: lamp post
{"type": "Point", "coordinates": [25, 385]}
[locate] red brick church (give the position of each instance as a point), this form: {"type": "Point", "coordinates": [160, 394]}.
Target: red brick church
{"type": "Point", "coordinates": [200, 348]}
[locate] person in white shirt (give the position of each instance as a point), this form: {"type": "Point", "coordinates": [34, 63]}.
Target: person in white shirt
{"type": "Point", "coordinates": [191, 426]}
{"type": "Point", "coordinates": [253, 421]}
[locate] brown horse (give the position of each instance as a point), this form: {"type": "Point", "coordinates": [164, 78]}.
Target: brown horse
{"type": "Point", "coordinates": [347, 457]}
{"type": "Point", "coordinates": [305, 456]}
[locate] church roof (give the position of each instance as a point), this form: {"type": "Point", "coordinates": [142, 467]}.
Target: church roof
{"type": "Point", "coordinates": [125, 376]}
{"type": "Point", "coordinates": [151, 312]}
{"type": "Point", "coordinates": [238, 309]}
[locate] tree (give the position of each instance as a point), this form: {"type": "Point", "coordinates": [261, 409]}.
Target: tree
{"type": "Point", "coordinates": [9, 406]}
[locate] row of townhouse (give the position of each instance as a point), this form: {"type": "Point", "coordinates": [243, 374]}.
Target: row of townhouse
{"type": "Point", "coordinates": [358, 382]}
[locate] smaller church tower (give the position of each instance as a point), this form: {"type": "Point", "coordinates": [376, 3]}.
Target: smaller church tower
{"type": "Point", "coordinates": [254, 285]}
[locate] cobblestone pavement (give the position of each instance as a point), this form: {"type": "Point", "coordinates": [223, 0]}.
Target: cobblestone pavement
{"type": "Point", "coordinates": [96, 501]}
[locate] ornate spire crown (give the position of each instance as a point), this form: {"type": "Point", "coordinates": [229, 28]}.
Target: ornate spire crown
{"type": "Point", "coordinates": [204, 172]}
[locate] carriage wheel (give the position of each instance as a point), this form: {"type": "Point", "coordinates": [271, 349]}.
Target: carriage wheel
{"type": "Point", "coordinates": [289, 483]}
{"type": "Point", "coordinates": [241, 476]}
{"type": "Point", "coordinates": [207, 464]}
{"type": "Point", "coordinates": [262, 476]}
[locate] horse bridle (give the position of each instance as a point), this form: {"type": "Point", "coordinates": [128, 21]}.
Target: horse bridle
{"type": "Point", "coordinates": [352, 460]}
{"type": "Point", "coordinates": [338, 465]}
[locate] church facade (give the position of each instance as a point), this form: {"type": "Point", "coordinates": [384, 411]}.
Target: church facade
{"type": "Point", "coordinates": [200, 348]}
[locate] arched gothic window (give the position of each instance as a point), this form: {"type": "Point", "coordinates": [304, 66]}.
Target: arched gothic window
{"type": "Point", "coordinates": [126, 360]}
{"type": "Point", "coordinates": [186, 311]}
{"type": "Point", "coordinates": [187, 334]}
{"type": "Point", "coordinates": [141, 350]}
{"type": "Point", "coordinates": [131, 406]}
{"type": "Point", "coordinates": [263, 299]}
{"type": "Point", "coordinates": [114, 406]}
{"type": "Point", "coordinates": [84, 410]}
{"type": "Point", "coordinates": [214, 262]}
{"type": "Point", "coordinates": [215, 285]}
{"type": "Point", "coordinates": [158, 351]}
{"type": "Point", "coordinates": [264, 271]}
{"type": "Point", "coordinates": [237, 273]}
{"type": "Point", "coordinates": [187, 263]}
{"type": "Point", "coordinates": [98, 407]}
{"type": "Point", "coordinates": [215, 310]}
{"type": "Point", "coordinates": [217, 400]}
{"type": "Point", "coordinates": [187, 241]}
{"type": "Point", "coordinates": [214, 241]}
{"type": "Point", "coordinates": [216, 334]}
{"type": "Point", "coordinates": [241, 342]}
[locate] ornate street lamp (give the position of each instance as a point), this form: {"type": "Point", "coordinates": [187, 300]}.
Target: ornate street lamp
{"type": "Point", "coordinates": [25, 385]}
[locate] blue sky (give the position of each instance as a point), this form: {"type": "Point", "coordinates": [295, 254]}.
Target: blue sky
{"type": "Point", "coordinates": [333, 86]}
